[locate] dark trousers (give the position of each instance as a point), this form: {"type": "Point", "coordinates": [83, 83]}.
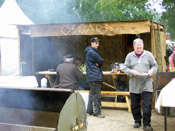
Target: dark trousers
{"type": "Point", "coordinates": [94, 103]}
{"type": "Point", "coordinates": [146, 107]}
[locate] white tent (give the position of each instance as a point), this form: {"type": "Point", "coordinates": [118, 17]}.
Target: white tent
{"type": "Point", "coordinates": [10, 15]}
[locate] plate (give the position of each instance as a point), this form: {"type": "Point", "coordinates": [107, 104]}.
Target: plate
{"type": "Point", "coordinates": [143, 74]}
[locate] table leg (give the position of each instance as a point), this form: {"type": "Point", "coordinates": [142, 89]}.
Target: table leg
{"type": "Point", "coordinates": [109, 85]}
{"type": "Point", "coordinates": [50, 81]}
{"type": "Point", "coordinates": [128, 101]}
{"type": "Point", "coordinates": [165, 119]}
{"type": "Point", "coordinates": [114, 80]}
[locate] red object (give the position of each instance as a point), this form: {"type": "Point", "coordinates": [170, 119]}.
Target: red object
{"type": "Point", "coordinates": [129, 46]}
{"type": "Point", "coordinates": [167, 66]}
{"type": "Point", "coordinates": [167, 36]}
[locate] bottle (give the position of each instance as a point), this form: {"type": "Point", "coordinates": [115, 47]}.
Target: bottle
{"type": "Point", "coordinates": [43, 82]}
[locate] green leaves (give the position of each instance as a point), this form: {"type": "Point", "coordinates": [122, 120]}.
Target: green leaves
{"type": "Point", "coordinates": [111, 10]}
{"type": "Point", "coordinates": [168, 17]}
{"type": "Point", "coordinates": [58, 11]}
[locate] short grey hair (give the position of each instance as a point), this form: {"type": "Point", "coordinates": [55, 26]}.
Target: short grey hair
{"type": "Point", "coordinates": [69, 59]}
{"type": "Point", "coordinates": [138, 40]}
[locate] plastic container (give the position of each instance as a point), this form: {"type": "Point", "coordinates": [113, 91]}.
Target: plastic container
{"type": "Point", "coordinates": [44, 83]}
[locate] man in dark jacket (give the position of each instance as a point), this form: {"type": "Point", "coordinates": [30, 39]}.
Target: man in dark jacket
{"type": "Point", "coordinates": [68, 73]}
{"type": "Point", "coordinates": [94, 78]}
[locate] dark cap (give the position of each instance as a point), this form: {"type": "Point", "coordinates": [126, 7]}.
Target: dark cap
{"type": "Point", "coordinates": [95, 39]}
{"type": "Point", "coordinates": [69, 56]}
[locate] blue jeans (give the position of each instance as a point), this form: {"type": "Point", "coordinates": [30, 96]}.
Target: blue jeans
{"type": "Point", "coordinates": [94, 103]}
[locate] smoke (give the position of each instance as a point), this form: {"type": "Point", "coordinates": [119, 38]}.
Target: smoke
{"type": "Point", "coordinates": [15, 106]}
{"type": "Point", "coordinates": [31, 107]}
{"type": "Point", "coordinates": [49, 11]}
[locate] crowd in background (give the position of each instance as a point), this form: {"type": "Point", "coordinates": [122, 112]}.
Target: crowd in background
{"type": "Point", "coordinates": [170, 58]}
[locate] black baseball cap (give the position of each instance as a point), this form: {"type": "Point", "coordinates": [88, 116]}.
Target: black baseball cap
{"type": "Point", "coordinates": [95, 39]}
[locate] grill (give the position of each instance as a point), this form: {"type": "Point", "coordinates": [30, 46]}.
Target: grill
{"type": "Point", "coordinates": [41, 108]}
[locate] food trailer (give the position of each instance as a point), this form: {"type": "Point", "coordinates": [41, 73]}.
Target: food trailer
{"type": "Point", "coordinates": [43, 46]}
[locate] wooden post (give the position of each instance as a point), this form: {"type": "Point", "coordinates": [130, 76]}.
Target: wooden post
{"type": "Point", "coordinates": [163, 49]}
{"type": "Point", "coordinates": [152, 39]}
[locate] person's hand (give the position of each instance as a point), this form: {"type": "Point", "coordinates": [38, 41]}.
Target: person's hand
{"type": "Point", "coordinates": [150, 72]}
{"type": "Point", "coordinates": [96, 64]}
{"type": "Point", "coordinates": [81, 70]}
{"type": "Point", "coordinates": [134, 73]}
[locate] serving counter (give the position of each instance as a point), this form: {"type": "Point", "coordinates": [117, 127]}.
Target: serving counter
{"type": "Point", "coordinates": [50, 74]}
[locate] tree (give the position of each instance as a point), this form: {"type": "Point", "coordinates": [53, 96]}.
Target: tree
{"type": "Point", "coordinates": [111, 10]}
{"type": "Point", "coordinates": [124, 10]}
{"type": "Point", "coordinates": [168, 17]}
{"type": "Point", "coordinates": [58, 11]}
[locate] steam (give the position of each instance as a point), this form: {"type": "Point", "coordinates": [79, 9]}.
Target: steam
{"type": "Point", "coordinates": [52, 11]}
{"type": "Point", "coordinates": [16, 106]}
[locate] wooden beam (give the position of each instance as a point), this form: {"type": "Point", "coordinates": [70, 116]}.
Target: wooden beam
{"type": "Point", "coordinates": [126, 104]}
{"type": "Point", "coordinates": [113, 104]}
{"type": "Point", "coordinates": [91, 28]}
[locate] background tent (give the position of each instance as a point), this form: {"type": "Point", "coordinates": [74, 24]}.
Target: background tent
{"type": "Point", "coordinates": [10, 15]}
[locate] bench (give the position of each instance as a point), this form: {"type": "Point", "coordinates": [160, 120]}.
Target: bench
{"type": "Point", "coordinates": [114, 94]}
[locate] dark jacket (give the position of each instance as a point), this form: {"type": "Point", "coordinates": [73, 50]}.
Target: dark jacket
{"type": "Point", "coordinates": [68, 75]}
{"type": "Point", "coordinates": [93, 71]}
{"type": "Point", "coordinates": [169, 51]}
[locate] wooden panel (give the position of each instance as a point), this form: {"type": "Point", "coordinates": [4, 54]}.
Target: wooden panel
{"type": "Point", "coordinates": [160, 49]}
{"type": "Point", "coordinates": [163, 49]}
{"type": "Point", "coordinates": [163, 78]}
{"type": "Point", "coordinates": [126, 104]}
{"type": "Point", "coordinates": [95, 28]}
{"type": "Point", "coordinates": [113, 104]}
{"type": "Point", "coordinates": [106, 93]}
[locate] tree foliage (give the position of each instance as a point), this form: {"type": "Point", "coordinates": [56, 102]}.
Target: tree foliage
{"type": "Point", "coordinates": [58, 11]}
{"type": "Point", "coordinates": [124, 10]}
{"type": "Point", "coordinates": [168, 17]}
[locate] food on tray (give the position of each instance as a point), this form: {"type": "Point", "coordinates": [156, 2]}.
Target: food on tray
{"type": "Point", "coordinates": [143, 74]}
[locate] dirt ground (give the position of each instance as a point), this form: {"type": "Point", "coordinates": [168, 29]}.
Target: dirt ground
{"type": "Point", "coordinates": [121, 120]}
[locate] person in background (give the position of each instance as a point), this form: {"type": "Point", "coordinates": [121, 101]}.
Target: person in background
{"type": "Point", "coordinates": [169, 51]}
{"type": "Point", "coordinates": [68, 73]}
{"type": "Point", "coordinates": [140, 65]}
{"type": "Point", "coordinates": [80, 64]}
{"type": "Point", "coordinates": [83, 85]}
{"type": "Point", "coordinates": [172, 61]}
{"type": "Point", "coordinates": [94, 77]}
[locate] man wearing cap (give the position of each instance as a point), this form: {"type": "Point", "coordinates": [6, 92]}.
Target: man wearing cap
{"type": "Point", "coordinates": [68, 73]}
{"type": "Point", "coordinates": [94, 77]}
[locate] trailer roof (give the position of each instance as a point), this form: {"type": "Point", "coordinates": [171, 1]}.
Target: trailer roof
{"type": "Point", "coordinates": [109, 28]}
